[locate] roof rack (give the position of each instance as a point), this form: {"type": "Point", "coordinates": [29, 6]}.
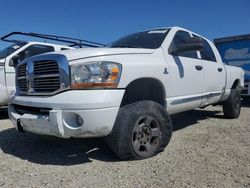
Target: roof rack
{"type": "Point", "coordinates": [72, 42]}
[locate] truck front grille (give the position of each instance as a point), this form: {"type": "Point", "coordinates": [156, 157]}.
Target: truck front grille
{"type": "Point", "coordinates": [43, 77]}
{"type": "Point", "coordinates": [47, 84]}
{"type": "Point", "coordinates": [21, 75]}
{"type": "Point", "coordinates": [46, 76]}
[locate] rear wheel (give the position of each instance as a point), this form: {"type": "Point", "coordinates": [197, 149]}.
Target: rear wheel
{"type": "Point", "coordinates": [232, 106]}
{"type": "Point", "coordinates": [142, 130]}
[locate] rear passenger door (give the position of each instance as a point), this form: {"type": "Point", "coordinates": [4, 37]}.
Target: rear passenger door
{"type": "Point", "coordinates": [214, 74]}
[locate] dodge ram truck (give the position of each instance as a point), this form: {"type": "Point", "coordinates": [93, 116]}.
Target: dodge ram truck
{"type": "Point", "coordinates": [125, 91]}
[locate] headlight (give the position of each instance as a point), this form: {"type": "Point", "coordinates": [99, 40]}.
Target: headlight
{"type": "Point", "coordinates": [102, 74]}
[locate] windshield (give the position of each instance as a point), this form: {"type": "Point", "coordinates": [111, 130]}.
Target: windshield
{"type": "Point", "coordinates": [9, 50]}
{"type": "Point", "coordinates": [147, 39]}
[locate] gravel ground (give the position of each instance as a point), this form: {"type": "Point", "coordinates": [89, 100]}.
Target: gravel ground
{"type": "Point", "coordinates": [206, 150]}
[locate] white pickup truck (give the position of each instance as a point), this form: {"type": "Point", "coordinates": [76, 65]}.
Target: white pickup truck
{"type": "Point", "coordinates": [125, 91]}
{"type": "Point", "coordinates": [20, 49]}
{"type": "Point", "coordinates": [15, 53]}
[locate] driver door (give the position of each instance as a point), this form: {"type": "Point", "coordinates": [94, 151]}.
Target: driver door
{"type": "Point", "coordinates": [186, 76]}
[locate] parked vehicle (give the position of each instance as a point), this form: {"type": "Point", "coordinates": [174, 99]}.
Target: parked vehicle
{"type": "Point", "coordinates": [235, 51]}
{"type": "Point", "coordinates": [126, 91]}
{"type": "Point", "coordinates": [19, 50]}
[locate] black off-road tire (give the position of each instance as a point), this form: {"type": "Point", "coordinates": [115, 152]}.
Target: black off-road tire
{"type": "Point", "coordinates": [133, 125]}
{"type": "Point", "coordinates": [232, 106]}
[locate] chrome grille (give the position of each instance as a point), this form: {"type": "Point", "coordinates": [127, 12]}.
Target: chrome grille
{"type": "Point", "coordinates": [43, 77]}
{"type": "Point", "coordinates": [45, 67]}
{"type": "Point", "coordinates": [46, 76]}
{"type": "Point", "coordinates": [21, 75]}
{"type": "Point", "coordinates": [48, 84]}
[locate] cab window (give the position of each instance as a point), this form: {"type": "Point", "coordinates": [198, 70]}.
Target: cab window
{"type": "Point", "coordinates": [207, 52]}
{"type": "Point", "coordinates": [32, 51]}
{"type": "Point", "coordinates": [180, 38]}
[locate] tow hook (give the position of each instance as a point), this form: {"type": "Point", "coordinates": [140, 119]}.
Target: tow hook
{"type": "Point", "coordinates": [19, 126]}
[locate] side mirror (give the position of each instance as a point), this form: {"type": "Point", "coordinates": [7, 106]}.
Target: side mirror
{"type": "Point", "coordinates": [190, 45]}
{"type": "Point", "coordinates": [14, 61]}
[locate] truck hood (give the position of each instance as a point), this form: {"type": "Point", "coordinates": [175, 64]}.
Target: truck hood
{"type": "Point", "coordinates": [95, 52]}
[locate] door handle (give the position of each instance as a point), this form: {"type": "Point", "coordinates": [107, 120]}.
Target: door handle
{"type": "Point", "coordinates": [219, 69]}
{"type": "Point", "coordinates": [199, 67]}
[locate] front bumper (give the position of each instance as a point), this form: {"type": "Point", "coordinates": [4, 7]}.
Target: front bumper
{"type": "Point", "coordinates": [97, 108]}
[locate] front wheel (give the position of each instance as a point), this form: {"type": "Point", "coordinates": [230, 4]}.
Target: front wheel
{"type": "Point", "coordinates": [232, 106]}
{"type": "Point", "coordinates": [142, 129]}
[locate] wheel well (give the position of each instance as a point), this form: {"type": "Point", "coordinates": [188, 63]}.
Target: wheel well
{"type": "Point", "coordinates": [235, 84]}
{"type": "Point", "coordinates": [144, 89]}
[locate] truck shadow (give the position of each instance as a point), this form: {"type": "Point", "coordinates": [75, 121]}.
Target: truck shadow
{"type": "Point", "coordinates": [56, 151]}
{"type": "Point", "coordinates": [246, 103]}
{"type": "Point", "coordinates": [186, 119]}
{"type": "Point", "coordinates": [53, 151]}
{"type": "Point", "coordinates": [4, 113]}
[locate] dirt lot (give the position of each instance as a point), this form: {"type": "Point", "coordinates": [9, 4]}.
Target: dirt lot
{"type": "Point", "coordinates": [206, 150]}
